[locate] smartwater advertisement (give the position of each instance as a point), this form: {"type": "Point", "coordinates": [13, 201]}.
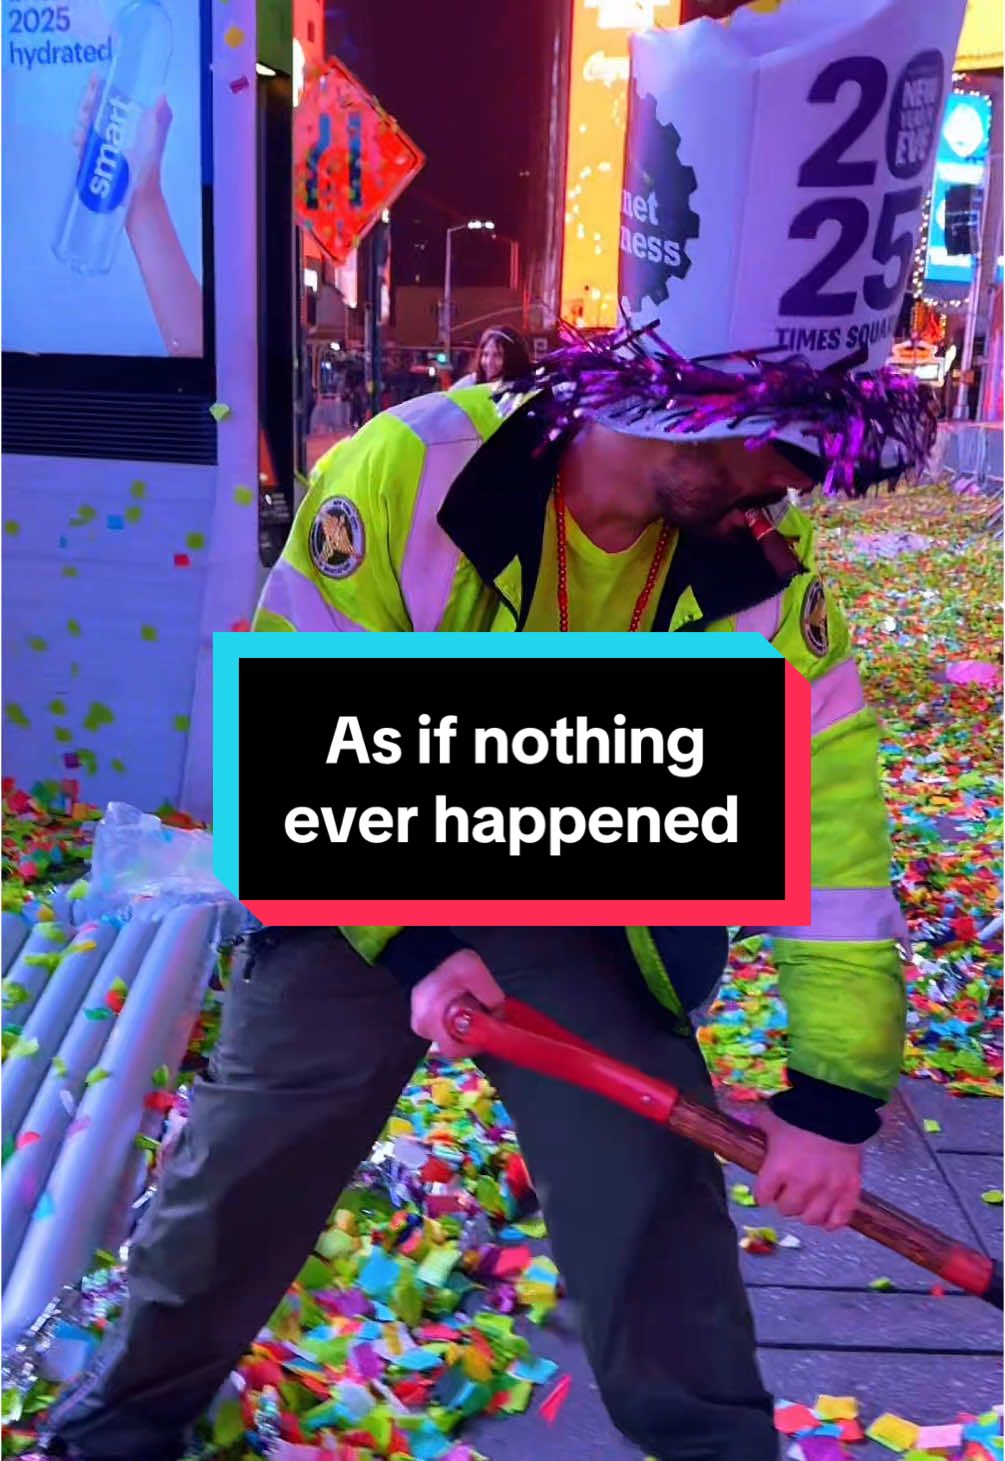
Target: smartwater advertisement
{"type": "Point", "coordinates": [102, 184]}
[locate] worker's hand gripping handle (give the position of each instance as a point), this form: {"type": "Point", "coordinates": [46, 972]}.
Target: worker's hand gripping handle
{"type": "Point", "coordinates": [524, 1037]}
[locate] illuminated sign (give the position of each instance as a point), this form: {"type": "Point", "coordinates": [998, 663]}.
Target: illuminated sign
{"type": "Point", "coordinates": [981, 41]}
{"type": "Point", "coordinates": [598, 100]}
{"type": "Point", "coordinates": [961, 159]}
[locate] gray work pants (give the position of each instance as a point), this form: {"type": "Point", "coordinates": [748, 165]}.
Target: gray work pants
{"type": "Point", "coordinates": [314, 1050]}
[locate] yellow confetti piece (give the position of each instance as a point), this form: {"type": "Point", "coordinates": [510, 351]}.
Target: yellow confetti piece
{"type": "Point", "coordinates": [476, 1365]}
{"type": "Point", "coordinates": [219, 411]}
{"type": "Point", "coordinates": [836, 1407]}
{"type": "Point", "coordinates": [233, 37]}
{"type": "Point", "coordinates": [11, 528]}
{"type": "Point", "coordinates": [894, 1432]}
{"type": "Point", "coordinates": [37, 643]}
{"type": "Point", "coordinates": [138, 489]}
{"type": "Point", "coordinates": [16, 715]}
{"type": "Point", "coordinates": [68, 571]}
{"type": "Point", "coordinates": [57, 707]}
{"type": "Point", "coordinates": [133, 514]}
{"type": "Point", "coordinates": [243, 496]}
{"type": "Point", "coordinates": [83, 946]}
{"type": "Point", "coordinates": [148, 632]}
{"type": "Point", "coordinates": [117, 765]}
{"type": "Point", "coordinates": [994, 1197]}
{"type": "Point", "coordinates": [73, 626]}
{"type": "Point", "coordinates": [195, 541]}
{"type": "Point", "coordinates": [932, 1127]}
{"type": "Point", "coordinates": [182, 723]}
{"type": "Point", "coordinates": [442, 1092]}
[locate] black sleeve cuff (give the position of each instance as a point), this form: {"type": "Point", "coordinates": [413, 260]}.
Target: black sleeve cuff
{"type": "Point", "coordinates": [832, 1111]}
{"type": "Point", "coordinates": [415, 952]}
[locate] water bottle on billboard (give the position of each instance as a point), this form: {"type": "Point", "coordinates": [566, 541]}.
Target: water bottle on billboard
{"type": "Point", "coordinates": [96, 209]}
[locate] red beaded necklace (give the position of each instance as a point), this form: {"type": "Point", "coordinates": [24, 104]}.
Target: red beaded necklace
{"type": "Point", "coordinates": [562, 546]}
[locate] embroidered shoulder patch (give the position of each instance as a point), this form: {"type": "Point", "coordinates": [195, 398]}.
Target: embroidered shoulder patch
{"type": "Point", "coordinates": [816, 632]}
{"type": "Point", "coordinates": [337, 538]}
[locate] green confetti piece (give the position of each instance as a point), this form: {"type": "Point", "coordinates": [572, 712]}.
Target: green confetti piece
{"type": "Point", "coordinates": [118, 986]}
{"type": "Point", "coordinates": [148, 632]}
{"type": "Point", "coordinates": [37, 643]}
{"type": "Point", "coordinates": [243, 496]}
{"type": "Point", "coordinates": [742, 1195]}
{"type": "Point", "coordinates": [146, 1143]}
{"type": "Point", "coordinates": [11, 528]}
{"type": "Point", "coordinates": [14, 994]}
{"type": "Point", "coordinates": [9, 1148]}
{"type": "Point", "coordinates": [85, 514]}
{"type": "Point", "coordinates": [932, 1127]}
{"type": "Point", "coordinates": [88, 760]}
{"type": "Point", "coordinates": [219, 411]}
{"type": "Point", "coordinates": [882, 1285]}
{"type": "Point", "coordinates": [73, 626]}
{"type": "Point", "coordinates": [994, 1197]}
{"type": "Point", "coordinates": [182, 722]}
{"type": "Point", "coordinates": [133, 514]}
{"type": "Point", "coordinates": [16, 715]}
{"type": "Point", "coordinates": [22, 1048]}
{"type": "Point", "coordinates": [78, 890]}
{"type": "Point", "coordinates": [68, 571]}
{"type": "Point", "coordinates": [335, 1244]}
{"type": "Point", "coordinates": [63, 735]}
{"type": "Point", "coordinates": [103, 1259]}
{"type": "Point", "coordinates": [138, 489]}
{"type": "Point", "coordinates": [161, 1078]}
{"type": "Point", "coordinates": [57, 707]}
{"type": "Point", "coordinates": [97, 716]}
{"type": "Point", "coordinates": [97, 1013]}
{"type": "Point", "coordinates": [60, 1066]}
{"type": "Point", "coordinates": [74, 669]}
{"type": "Point", "coordinates": [117, 765]}
{"type": "Point", "coordinates": [314, 1274]}
{"type": "Point", "coordinates": [95, 1076]}
{"type": "Point", "coordinates": [195, 541]}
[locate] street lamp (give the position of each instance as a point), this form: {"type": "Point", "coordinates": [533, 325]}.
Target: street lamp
{"type": "Point", "coordinates": [474, 224]}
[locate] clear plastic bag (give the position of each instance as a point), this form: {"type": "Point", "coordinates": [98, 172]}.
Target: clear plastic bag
{"type": "Point", "coordinates": [137, 859]}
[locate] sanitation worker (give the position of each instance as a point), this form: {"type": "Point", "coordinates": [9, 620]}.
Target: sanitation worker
{"type": "Point", "coordinates": [626, 486]}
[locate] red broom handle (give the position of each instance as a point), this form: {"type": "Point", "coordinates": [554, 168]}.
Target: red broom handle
{"type": "Point", "coordinates": [527, 1038]}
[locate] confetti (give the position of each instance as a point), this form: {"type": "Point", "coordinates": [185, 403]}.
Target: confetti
{"type": "Point", "coordinates": [148, 632]}
{"type": "Point", "coordinates": [219, 411]}
{"type": "Point", "coordinates": [932, 1127]}
{"type": "Point", "coordinates": [243, 496]}
{"type": "Point", "coordinates": [233, 37]}
{"type": "Point", "coordinates": [195, 541]}
{"type": "Point", "coordinates": [893, 1432]}
{"type": "Point", "coordinates": [182, 560]}
{"type": "Point", "coordinates": [994, 1197]}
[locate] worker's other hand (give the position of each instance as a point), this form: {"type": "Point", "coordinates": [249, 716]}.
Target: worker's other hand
{"type": "Point", "coordinates": [806, 1176]}
{"type": "Point", "coordinates": [462, 974]}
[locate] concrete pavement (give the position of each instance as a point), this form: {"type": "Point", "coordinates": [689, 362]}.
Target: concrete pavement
{"type": "Point", "coordinates": [822, 1329]}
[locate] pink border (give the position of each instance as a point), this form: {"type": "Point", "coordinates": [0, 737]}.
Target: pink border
{"type": "Point", "coordinates": [793, 909]}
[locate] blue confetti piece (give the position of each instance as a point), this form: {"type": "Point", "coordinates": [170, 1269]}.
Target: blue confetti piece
{"type": "Point", "coordinates": [115, 522]}
{"type": "Point", "coordinates": [45, 1207]}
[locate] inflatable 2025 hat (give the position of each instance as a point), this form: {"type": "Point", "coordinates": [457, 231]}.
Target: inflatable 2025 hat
{"type": "Point", "coordinates": [775, 171]}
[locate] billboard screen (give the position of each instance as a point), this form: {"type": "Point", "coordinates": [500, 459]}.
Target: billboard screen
{"type": "Point", "coordinates": [961, 158]}
{"type": "Point", "coordinates": [102, 188]}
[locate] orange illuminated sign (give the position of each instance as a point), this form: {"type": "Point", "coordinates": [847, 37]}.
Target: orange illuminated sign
{"type": "Point", "coordinates": [598, 100]}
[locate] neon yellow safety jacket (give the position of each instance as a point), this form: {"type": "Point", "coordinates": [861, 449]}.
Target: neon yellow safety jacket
{"type": "Point", "coordinates": [431, 518]}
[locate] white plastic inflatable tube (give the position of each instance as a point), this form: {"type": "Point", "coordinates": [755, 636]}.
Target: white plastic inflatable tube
{"type": "Point", "coordinates": [84, 1199]}
{"type": "Point", "coordinates": [49, 1021]}
{"type": "Point", "coordinates": [13, 932]}
{"type": "Point", "coordinates": [32, 978]}
{"type": "Point", "coordinates": [53, 1109]}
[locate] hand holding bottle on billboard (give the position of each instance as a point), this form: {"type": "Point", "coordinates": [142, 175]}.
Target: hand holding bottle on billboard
{"type": "Point", "coordinates": [174, 292]}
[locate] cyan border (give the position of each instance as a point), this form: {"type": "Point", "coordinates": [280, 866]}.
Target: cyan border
{"type": "Point", "coordinates": [230, 649]}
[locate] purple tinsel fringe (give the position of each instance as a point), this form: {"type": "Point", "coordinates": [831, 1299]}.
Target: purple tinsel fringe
{"type": "Point", "coordinates": [852, 417]}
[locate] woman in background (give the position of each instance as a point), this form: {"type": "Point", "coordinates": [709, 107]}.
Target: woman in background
{"type": "Point", "coordinates": [501, 358]}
